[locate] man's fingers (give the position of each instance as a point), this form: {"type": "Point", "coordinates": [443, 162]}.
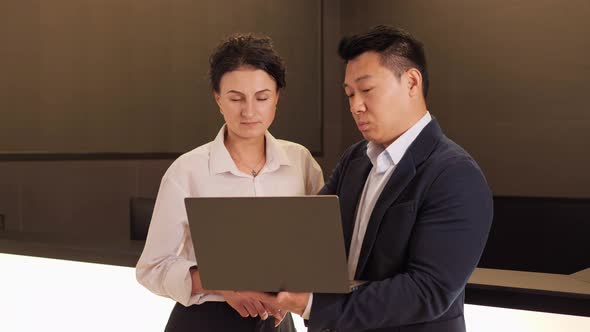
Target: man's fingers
{"type": "Point", "coordinates": [294, 302]}
{"type": "Point", "coordinates": [282, 297]}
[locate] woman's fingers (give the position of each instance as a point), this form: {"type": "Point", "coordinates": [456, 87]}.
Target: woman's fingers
{"type": "Point", "coordinates": [279, 317]}
{"type": "Point", "coordinates": [249, 305]}
{"type": "Point", "coordinates": [237, 302]}
{"type": "Point", "coordinates": [239, 308]}
{"type": "Point", "coordinates": [262, 311]}
{"type": "Point", "coordinates": [272, 310]}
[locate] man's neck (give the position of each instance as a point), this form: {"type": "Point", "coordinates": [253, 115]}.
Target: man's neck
{"type": "Point", "coordinates": [411, 120]}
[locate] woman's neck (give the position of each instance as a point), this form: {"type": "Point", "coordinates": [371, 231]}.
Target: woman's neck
{"type": "Point", "coordinates": [248, 151]}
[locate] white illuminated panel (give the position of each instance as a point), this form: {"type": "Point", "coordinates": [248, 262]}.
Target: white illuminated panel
{"type": "Point", "coordinates": [56, 295]}
{"type": "Point", "coordinates": [42, 294]}
{"type": "Point", "coordinates": [491, 319]}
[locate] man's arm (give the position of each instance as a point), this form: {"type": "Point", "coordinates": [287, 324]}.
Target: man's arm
{"type": "Point", "coordinates": [449, 235]}
{"type": "Point", "coordinates": [331, 186]}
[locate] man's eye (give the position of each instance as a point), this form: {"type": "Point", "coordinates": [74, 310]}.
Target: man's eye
{"type": "Point", "coordinates": [366, 90]}
{"type": "Point", "coordinates": [262, 99]}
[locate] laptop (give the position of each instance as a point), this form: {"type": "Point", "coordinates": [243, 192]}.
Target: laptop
{"type": "Point", "coordinates": [269, 244]}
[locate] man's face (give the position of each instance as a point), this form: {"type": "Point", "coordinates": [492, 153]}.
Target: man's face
{"type": "Point", "coordinates": [379, 101]}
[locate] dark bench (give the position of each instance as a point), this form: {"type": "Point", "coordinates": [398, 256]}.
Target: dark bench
{"type": "Point", "coordinates": [549, 235]}
{"type": "Point", "coordinates": [546, 235]}
{"type": "Point", "coordinates": [536, 234]}
{"type": "Point", "coordinates": [539, 234]}
{"type": "Point", "coordinates": [140, 214]}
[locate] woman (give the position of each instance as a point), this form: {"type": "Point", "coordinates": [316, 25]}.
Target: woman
{"type": "Point", "coordinates": [243, 160]}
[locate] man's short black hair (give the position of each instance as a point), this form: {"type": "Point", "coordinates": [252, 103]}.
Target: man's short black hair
{"type": "Point", "coordinates": [399, 50]}
{"type": "Point", "coordinates": [251, 50]}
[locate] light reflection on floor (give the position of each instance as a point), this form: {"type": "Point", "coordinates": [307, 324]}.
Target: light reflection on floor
{"type": "Point", "coordinates": [56, 295]}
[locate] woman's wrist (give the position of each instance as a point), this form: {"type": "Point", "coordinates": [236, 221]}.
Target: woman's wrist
{"type": "Point", "coordinates": [197, 287]}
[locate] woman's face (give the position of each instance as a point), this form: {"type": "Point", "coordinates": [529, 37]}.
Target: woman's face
{"type": "Point", "coordinates": [247, 98]}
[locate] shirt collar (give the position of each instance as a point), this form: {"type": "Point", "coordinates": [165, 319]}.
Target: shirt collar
{"type": "Point", "coordinates": [220, 160]}
{"type": "Point", "coordinates": [383, 158]}
{"type": "Point", "coordinates": [275, 153]}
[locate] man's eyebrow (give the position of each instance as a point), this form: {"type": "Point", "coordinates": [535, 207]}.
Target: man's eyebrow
{"type": "Point", "coordinates": [364, 77]}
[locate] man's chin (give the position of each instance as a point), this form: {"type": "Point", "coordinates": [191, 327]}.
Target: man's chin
{"type": "Point", "coordinates": [367, 136]}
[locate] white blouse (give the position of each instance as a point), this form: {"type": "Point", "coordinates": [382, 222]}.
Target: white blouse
{"type": "Point", "coordinates": [209, 170]}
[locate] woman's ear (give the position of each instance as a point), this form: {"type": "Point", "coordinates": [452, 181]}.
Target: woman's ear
{"type": "Point", "coordinates": [217, 97]}
{"type": "Point", "coordinates": [414, 81]}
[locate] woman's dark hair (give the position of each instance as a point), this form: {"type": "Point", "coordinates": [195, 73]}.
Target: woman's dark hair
{"type": "Point", "coordinates": [399, 50]}
{"type": "Point", "coordinates": [250, 50]}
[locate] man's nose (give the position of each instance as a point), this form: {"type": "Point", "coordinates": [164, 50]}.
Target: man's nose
{"type": "Point", "coordinates": [357, 105]}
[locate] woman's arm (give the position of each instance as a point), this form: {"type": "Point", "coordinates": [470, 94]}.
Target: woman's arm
{"type": "Point", "coordinates": [164, 265]}
{"type": "Point", "coordinates": [314, 178]}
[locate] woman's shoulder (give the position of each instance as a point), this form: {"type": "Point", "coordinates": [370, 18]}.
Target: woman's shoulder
{"type": "Point", "coordinates": [292, 148]}
{"type": "Point", "coordinates": [191, 161]}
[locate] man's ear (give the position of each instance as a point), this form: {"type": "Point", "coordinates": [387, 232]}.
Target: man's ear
{"type": "Point", "coordinates": [414, 81]}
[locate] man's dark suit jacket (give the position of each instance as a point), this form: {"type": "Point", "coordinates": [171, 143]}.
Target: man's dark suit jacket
{"type": "Point", "coordinates": [423, 240]}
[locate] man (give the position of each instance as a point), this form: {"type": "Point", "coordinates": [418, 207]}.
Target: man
{"type": "Point", "coordinates": [416, 209]}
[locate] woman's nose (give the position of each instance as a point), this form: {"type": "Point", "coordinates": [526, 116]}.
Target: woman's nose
{"type": "Point", "coordinates": [247, 110]}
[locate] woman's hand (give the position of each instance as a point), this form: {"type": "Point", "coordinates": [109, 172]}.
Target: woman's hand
{"type": "Point", "coordinates": [245, 306]}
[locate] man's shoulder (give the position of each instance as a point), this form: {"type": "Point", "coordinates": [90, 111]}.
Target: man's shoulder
{"type": "Point", "coordinates": [449, 155]}
{"type": "Point", "coordinates": [358, 149]}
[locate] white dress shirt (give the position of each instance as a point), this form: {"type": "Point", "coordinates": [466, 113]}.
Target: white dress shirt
{"type": "Point", "coordinates": [209, 170]}
{"type": "Point", "coordinates": [384, 162]}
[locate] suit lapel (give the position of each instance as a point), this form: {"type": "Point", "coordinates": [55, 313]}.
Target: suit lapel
{"type": "Point", "coordinates": [350, 194]}
{"type": "Point", "coordinates": [416, 154]}
{"type": "Point", "coordinates": [401, 177]}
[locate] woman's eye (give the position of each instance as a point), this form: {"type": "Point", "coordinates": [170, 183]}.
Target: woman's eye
{"type": "Point", "coordinates": [262, 99]}
{"type": "Point", "coordinates": [366, 90]}
{"type": "Point", "coordinates": [234, 99]}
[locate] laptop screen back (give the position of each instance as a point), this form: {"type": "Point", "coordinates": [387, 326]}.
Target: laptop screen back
{"type": "Point", "coordinates": [269, 244]}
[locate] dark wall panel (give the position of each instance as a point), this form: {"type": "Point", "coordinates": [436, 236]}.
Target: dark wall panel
{"type": "Point", "coordinates": [130, 76]}
{"type": "Point", "coordinates": [508, 83]}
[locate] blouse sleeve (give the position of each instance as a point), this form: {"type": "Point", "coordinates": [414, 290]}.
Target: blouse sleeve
{"type": "Point", "coordinates": [164, 265]}
{"type": "Point", "coordinates": [314, 180]}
